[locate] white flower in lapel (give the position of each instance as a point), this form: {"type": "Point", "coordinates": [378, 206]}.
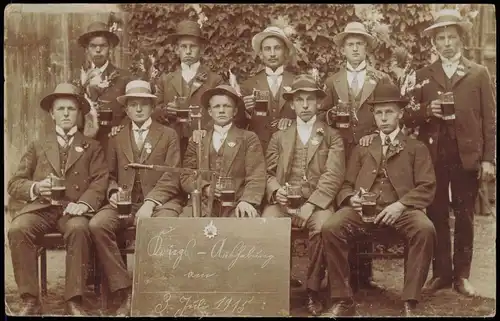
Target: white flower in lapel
{"type": "Point", "coordinates": [79, 149]}
{"type": "Point", "coordinates": [287, 88]}
{"type": "Point", "coordinates": [460, 70]}
{"type": "Point", "coordinates": [148, 147]}
{"type": "Point", "coordinates": [231, 144]}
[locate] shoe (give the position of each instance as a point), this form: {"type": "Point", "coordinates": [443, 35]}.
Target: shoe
{"type": "Point", "coordinates": [295, 283]}
{"type": "Point", "coordinates": [409, 308]}
{"type": "Point", "coordinates": [314, 304]}
{"type": "Point", "coordinates": [343, 308]}
{"type": "Point", "coordinates": [74, 308]}
{"type": "Point", "coordinates": [435, 284]}
{"type": "Point", "coordinates": [31, 306]}
{"type": "Point", "coordinates": [464, 287]}
{"type": "Point", "coordinates": [124, 309]}
{"type": "Point", "coordinates": [369, 284]}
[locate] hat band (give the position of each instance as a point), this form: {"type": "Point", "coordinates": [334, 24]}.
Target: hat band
{"type": "Point", "coordinates": [356, 30]}
{"type": "Point", "coordinates": [138, 90]}
{"type": "Point", "coordinates": [303, 84]}
{"type": "Point", "coordinates": [447, 18]}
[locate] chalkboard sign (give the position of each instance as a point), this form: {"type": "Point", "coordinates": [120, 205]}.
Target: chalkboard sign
{"type": "Point", "coordinates": [212, 267]}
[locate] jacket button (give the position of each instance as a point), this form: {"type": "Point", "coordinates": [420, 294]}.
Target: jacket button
{"type": "Point", "coordinates": [76, 173]}
{"type": "Point", "coordinates": [76, 187]}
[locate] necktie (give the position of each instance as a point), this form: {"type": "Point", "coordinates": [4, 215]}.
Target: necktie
{"type": "Point", "coordinates": [140, 138]}
{"type": "Point", "coordinates": [274, 76]}
{"type": "Point", "coordinates": [355, 83]}
{"type": "Point", "coordinates": [65, 139]}
{"type": "Point", "coordinates": [387, 142]}
{"type": "Point", "coordinates": [219, 140]}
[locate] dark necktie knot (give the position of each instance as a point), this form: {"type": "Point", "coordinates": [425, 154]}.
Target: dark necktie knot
{"type": "Point", "coordinates": [387, 141]}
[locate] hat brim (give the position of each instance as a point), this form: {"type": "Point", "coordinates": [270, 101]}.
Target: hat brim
{"type": "Point", "coordinates": [339, 39]}
{"type": "Point", "coordinates": [172, 38]}
{"type": "Point", "coordinates": [400, 102]}
{"type": "Point", "coordinates": [465, 26]}
{"type": "Point", "coordinates": [46, 102]}
{"type": "Point", "coordinates": [205, 98]}
{"type": "Point", "coordinates": [289, 94]}
{"type": "Point", "coordinates": [123, 99]}
{"type": "Point", "coordinates": [258, 38]}
{"type": "Point", "coordinates": [84, 39]}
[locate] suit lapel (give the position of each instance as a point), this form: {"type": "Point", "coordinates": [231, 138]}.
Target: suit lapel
{"type": "Point", "coordinates": [313, 146]}
{"type": "Point", "coordinates": [232, 145]}
{"type": "Point", "coordinates": [109, 69]}
{"type": "Point", "coordinates": [177, 82]}
{"type": "Point", "coordinates": [437, 72]}
{"type": "Point", "coordinates": [286, 82]}
{"type": "Point", "coordinates": [462, 71]}
{"type": "Point", "coordinates": [154, 135]}
{"type": "Point", "coordinates": [368, 86]}
{"type": "Point", "coordinates": [340, 85]}
{"type": "Point", "coordinates": [375, 149]}
{"type": "Point", "coordinates": [73, 154]}
{"type": "Point", "coordinates": [52, 152]}
{"type": "Point", "coordinates": [195, 85]}
{"type": "Point", "coordinates": [124, 139]}
{"type": "Point", "coordinates": [288, 143]}
{"type": "Point", "coordinates": [205, 150]}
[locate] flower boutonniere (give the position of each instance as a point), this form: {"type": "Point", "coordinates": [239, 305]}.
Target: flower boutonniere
{"type": "Point", "coordinates": [460, 70]}
{"type": "Point", "coordinates": [396, 146]}
{"type": "Point", "coordinates": [320, 132]}
{"type": "Point", "coordinates": [200, 79]}
{"type": "Point", "coordinates": [287, 88]}
{"type": "Point", "coordinates": [148, 147]}
{"type": "Point", "coordinates": [84, 146]}
{"type": "Point", "coordinates": [373, 76]}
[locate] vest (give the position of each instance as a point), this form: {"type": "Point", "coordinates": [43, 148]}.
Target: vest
{"type": "Point", "coordinates": [63, 156]}
{"type": "Point", "coordinates": [383, 187]}
{"type": "Point", "coordinates": [215, 160]}
{"type": "Point", "coordinates": [137, 194]}
{"type": "Point", "coordinates": [298, 169]}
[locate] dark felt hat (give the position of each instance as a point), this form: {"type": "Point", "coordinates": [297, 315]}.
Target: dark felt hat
{"type": "Point", "coordinates": [98, 29]}
{"type": "Point", "coordinates": [65, 90]}
{"type": "Point", "coordinates": [387, 93]}
{"type": "Point", "coordinates": [223, 90]}
{"type": "Point", "coordinates": [304, 82]}
{"type": "Point", "coordinates": [186, 28]}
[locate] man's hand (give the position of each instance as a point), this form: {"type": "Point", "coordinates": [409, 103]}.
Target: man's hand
{"type": "Point", "coordinates": [390, 214]}
{"type": "Point", "coordinates": [305, 213]}
{"type": "Point", "coordinates": [113, 200]}
{"type": "Point", "coordinates": [435, 108]}
{"type": "Point", "coordinates": [486, 172]}
{"type": "Point", "coordinates": [249, 102]}
{"type": "Point", "coordinates": [284, 123]}
{"type": "Point", "coordinates": [281, 196]}
{"type": "Point", "coordinates": [145, 211]}
{"type": "Point", "coordinates": [245, 209]}
{"type": "Point", "coordinates": [115, 130]}
{"type": "Point", "coordinates": [198, 135]}
{"type": "Point", "coordinates": [366, 140]}
{"type": "Point", "coordinates": [42, 188]}
{"type": "Point", "coordinates": [76, 209]}
{"type": "Point", "coordinates": [355, 202]}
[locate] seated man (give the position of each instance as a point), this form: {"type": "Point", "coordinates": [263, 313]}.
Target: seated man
{"type": "Point", "coordinates": [398, 169]}
{"type": "Point", "coordinates": [67, 154]}
{"type": "Point", "coordinates": [230, 151]}
{"type": "Point", "coordinates": [152, 194]}
{"type": "Point", "coordinates": [308, 155]}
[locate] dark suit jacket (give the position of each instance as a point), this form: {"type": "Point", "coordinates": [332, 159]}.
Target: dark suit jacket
{"type": "Point", "coordinates": [170, 85]}
{"type": "Point", "coordinates": [410, 171]}
{"type": "Point", "coordinates": [262, 125]}
{"type": "Point", "coordinates": [164, 151]}
{"type": "Point", "coordinates": [338, 88]}
{"type": "Point", "coordinates": [326, 163]}
{"type": "Point", "coordinates": [244, 161]}
{"type": "Point", "coordinates": [475, 107]}
{"type": "Point", "coordinates": [86, 172]}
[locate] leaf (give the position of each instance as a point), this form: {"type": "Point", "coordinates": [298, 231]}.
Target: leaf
{"type": "Point", "coordinates": [161, 52]}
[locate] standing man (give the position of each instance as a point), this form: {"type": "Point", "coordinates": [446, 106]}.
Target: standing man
{"type": "Point", "coordinates": [309, 155]}
{"type": "Point", "coordinates": [190, 80]}
{"type": "Point", "coordinates": [354, 84]}
{"type": "Point", "coordinates": [101, 81]}
{"type": "Point", "coordinates": [141, 141]}
{"type": "Point", "coordinates": [399, 170]}
{"type": "Point", "coordinates": [462, 149]}
{"type": "Point", "coordinates": [67, 154]}
{"type": "Point", "coordinates": [230, 151]}
{"type": "Point", "coordinates": [275, 50]}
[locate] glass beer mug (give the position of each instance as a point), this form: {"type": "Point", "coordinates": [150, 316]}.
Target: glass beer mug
{"type": "Point", "coordinates": [368, 207]}
{"type": "Point", "coordinates": [448, 105]}
{"type": "Point", "coordinates": [104, 113]}
{"type": "Point", "coordinates": [343, 118]}
{"type": "Point", "coordinates": [124, 202]}
{"type": "Point", "coordinates": [227, 191]}
{"type": "Point", "coordinates": [294, 198]}
{"type": "Point", "coordinates": [261, 102]}
{"type": "Point", "coordinates": [57, 190]}
{"type": "Point", "coordinates": [182, 109]}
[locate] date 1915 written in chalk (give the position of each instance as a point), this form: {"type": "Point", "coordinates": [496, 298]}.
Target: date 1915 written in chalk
{"type": "Point", "coordinates": [185, 305]}
{"type": "Point", "coordinates": [160, 245]}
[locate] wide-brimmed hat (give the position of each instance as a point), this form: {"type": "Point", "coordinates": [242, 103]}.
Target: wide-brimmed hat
{"type": "Point", "coordinates": [272, 32]}
{"type": "Point", "coordinates": [98, 29]}
{"type": "Point", "coordinates": [222, 90]}
{"type": "Point", "coordinates": [448, 17]}
{"type": "Point", "coordinates": [304, 82]}
{"type": "Point", "coordinates": [354, 28]}
{"type": "Point", "coordinates": [137, 88]}
{"type": "Point", "coordinates": [66, 90]}
{"type": "Point", "coordinates": [387, 93]}
{"type": "Point", "coordinates": [186, 28]}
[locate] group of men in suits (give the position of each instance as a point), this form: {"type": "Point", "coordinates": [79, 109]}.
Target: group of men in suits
{"type": "Point", "coordinates": [293, 143]}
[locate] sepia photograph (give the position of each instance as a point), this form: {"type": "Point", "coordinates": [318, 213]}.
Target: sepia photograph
{"type": "Point", "coordinates": [250, 160]}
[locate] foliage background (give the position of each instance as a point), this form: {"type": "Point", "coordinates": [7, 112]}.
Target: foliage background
{"type": "Point", "coordinates": [230, 29]}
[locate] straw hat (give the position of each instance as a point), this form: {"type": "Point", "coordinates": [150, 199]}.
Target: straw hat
{"type": "Point", "coordinates": [98, 29]}
{"type": "Point", "coordinates": [137, 88]}
{"type": "Point", "coordinates": [387, 93]}
{"type": "Point", "coordinates": [354, 28]}
{"type": "Point", "coordinates": [186, 28]}
{"type": "Point", "coordinates": [448, 17]}
{"type": "Point", "coordinates": [304, 82]}
{"type": "Point", "coordinates": [225, 90]}
{"type": "Point", "coordinates": [272, 32]}
{"type": "Point", "coordinates": [65, 90]}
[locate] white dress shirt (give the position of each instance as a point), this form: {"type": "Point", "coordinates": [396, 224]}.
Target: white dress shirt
{"type": "Point", "coordinates": [219, 135]}
{"type": "Point", "coordinates": [140, 138]}
{"type": "Point", "coordinates": [359, 72]}
{"type": "Point", "coordinates": [450, 65]}
{"type": "Point", "coordinates": [103, 67]}
{"type": "Point", "coordinates": [188, 72]}
{"type": "Point", "coordinates": [392, 136]}
{"type": "Point", "coordinates": [274, 78]}
{"type": "Point", "coordinates": [70, 134]}
{"type": "Point", "coordinates": [304, 129]}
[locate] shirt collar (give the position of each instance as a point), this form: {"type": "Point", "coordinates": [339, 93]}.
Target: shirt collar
{"type": "Point", "coordinates": [103, 67]}
{"type": "Point", "coordinates": [222, 129]}
{"type": "Point", "coordinates": [71, 132]}
{"type": "Point", "coordinates": [144, 126]}
{"type": "Point", "coordinates": [278, 72]}
{"type": "Point", "coordinates": [361, 66]}
{"type": "Point", "coordinates": [309, 123]}
{"type": "Point", "coordinates": [453, 60]}
{"type": "Point", "coordinates": [391, 135]}
{"type": "Point", "coordinates": [193, 67]}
